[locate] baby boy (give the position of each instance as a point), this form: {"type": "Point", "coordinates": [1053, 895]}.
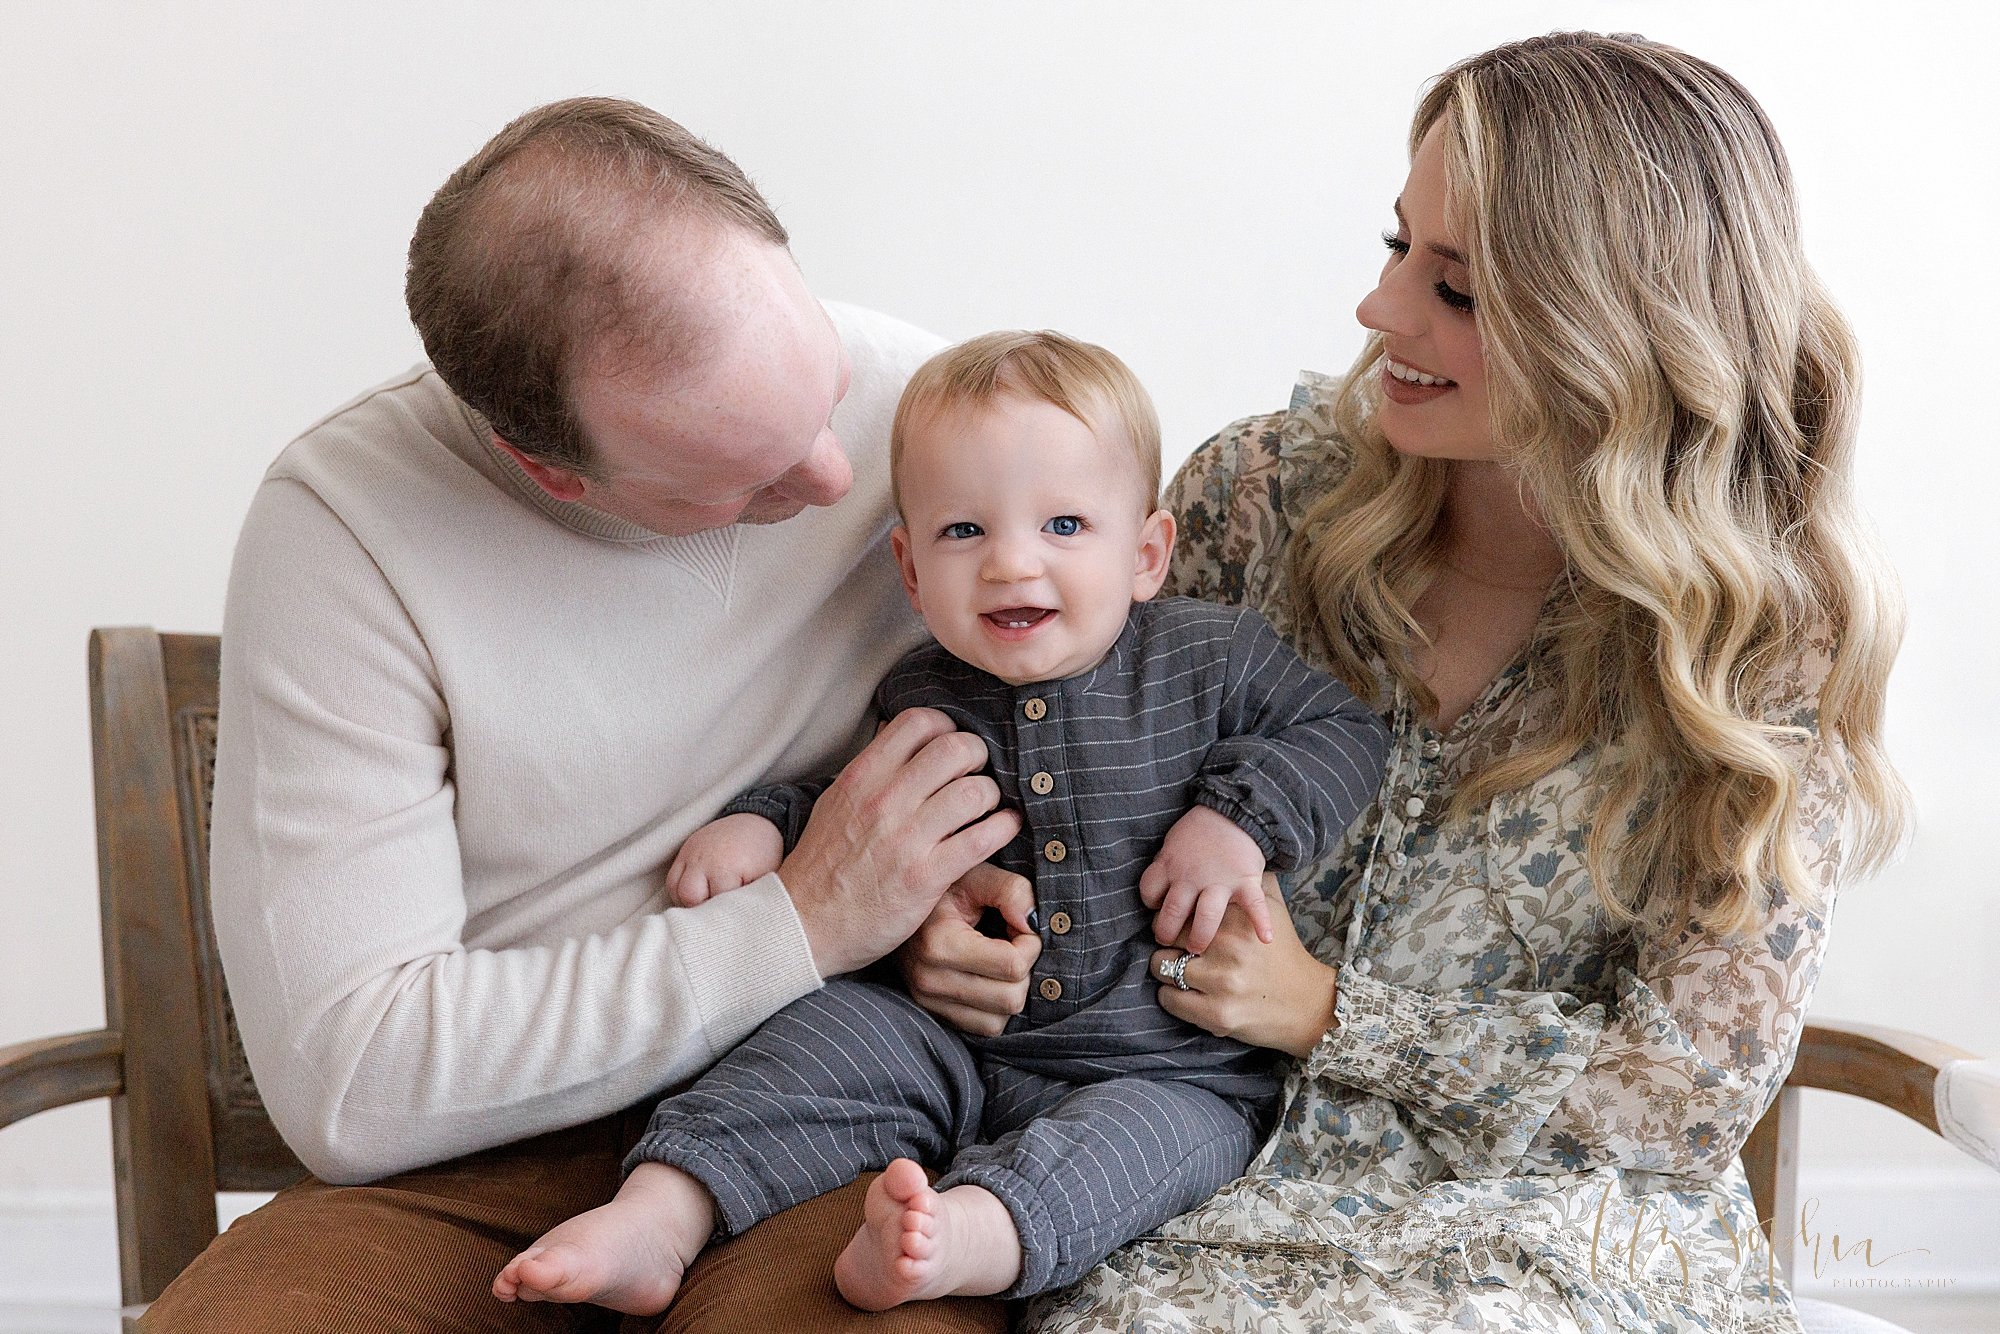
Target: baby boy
{"type": "Point", "coordinates": [1162, 753]}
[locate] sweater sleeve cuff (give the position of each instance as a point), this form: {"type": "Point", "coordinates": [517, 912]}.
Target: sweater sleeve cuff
{"type": "Point", "coordinates": [746, 957]}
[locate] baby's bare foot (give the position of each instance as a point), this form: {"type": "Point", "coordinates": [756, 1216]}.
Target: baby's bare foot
{"type": "Point", "coordinates": [628, 1255]}
{"type": "Point", "coordinates": [915, 1244]}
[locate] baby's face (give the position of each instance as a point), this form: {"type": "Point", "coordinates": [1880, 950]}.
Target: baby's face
{"type": "Point", "coordinates": [1027, 538]}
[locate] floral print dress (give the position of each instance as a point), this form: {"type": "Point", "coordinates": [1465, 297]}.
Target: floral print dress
{"type": "Point", "coordinates": [1522, 1118]}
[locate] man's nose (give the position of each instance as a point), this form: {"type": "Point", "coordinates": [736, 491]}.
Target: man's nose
{"type": "Point", "coordinates": [823, 477]}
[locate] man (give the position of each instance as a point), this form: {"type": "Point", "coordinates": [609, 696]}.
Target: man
{"type": "Point", "coordinates": [500, 633]}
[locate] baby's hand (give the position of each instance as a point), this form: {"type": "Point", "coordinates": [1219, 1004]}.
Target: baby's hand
{"type": "Point", "coordinates": [723, 855]}
{"type": "Point", "coordinates": [1206, 864]}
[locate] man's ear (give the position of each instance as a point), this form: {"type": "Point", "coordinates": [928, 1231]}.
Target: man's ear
{"type": "Point", "coordinates": [899, 542]}
{"type": "Point", "coordinates": [1156, 551]}
{"type": "Point", "coordinates": [560, 483]}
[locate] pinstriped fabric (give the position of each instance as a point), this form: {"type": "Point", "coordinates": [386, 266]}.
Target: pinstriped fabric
{"type": "Point", "coordinates": [1096, 1115]}
{"type": "Point", "coordinates": [1195, 703]}
{"type": "Point", "coordinates": [854, 1075]}
{"type": "Point", "coordinates": [1084, 1171]}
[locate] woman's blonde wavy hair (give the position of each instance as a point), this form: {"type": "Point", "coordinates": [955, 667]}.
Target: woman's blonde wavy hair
{"type": "Point", "coordinates": [1679, 395]}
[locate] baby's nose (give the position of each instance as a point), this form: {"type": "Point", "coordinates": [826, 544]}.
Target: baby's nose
{"type": "Point", "coordinates": [1008, 560]}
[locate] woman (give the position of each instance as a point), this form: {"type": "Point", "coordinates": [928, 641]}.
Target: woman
{"type": "Point", "coordinates": [1579, 521]}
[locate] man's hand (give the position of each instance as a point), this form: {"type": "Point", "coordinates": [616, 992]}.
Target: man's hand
{"type": "Point", "coordinates": [1205, 864]}
{"type": "Point", "coordinates": [723, 855]}
{"type": "Point", "coordinates": [971, 981]}
{"type": "Point", "coordinates": [900, 824]}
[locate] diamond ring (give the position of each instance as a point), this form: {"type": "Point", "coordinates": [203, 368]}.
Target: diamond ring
{"type": "Point", "coordinates": [1175, 970]}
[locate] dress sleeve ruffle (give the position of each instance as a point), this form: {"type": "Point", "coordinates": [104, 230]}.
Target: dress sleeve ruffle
{"type": "Point", "coordinates": [1479, 1077]}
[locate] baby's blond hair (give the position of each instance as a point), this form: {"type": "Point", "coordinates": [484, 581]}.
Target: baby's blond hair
{"type": "Point", "coordinates": [1082, 379]}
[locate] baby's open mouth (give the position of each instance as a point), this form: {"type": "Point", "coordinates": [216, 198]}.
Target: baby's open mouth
{"type": "Point", "coordinates": [1018, 618]}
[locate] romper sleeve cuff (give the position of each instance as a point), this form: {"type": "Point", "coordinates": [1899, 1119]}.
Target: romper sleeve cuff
{"type": "Point", "coordinates": [1478, 1077]}
{"type": "Point", "coordinates": [786, 805]}
{"type": "Point", "coordinates": [746, 957]}
{"type": "Point", "coordinates": [1240, 814]}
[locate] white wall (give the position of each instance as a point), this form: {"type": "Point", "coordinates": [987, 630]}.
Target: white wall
{"type": "Point", "coordinates": [203, 212]}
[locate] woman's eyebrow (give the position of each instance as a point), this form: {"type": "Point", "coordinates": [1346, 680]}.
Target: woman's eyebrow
{"type": "Point", "coordinates": [1452, 253]}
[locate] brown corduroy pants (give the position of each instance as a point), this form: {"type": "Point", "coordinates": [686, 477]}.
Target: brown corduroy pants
{"type": "Point", "coordinates": [418, 1252]}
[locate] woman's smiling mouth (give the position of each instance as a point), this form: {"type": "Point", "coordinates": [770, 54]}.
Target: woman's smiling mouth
{"type": "Point", "coordinates": [1406, 384]}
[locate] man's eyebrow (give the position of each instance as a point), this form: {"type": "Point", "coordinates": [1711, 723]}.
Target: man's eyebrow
{"type": "Point", "coordinates": [1452, 253]}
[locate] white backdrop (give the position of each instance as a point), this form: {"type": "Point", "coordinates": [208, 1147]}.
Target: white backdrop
{"type": "Point", "coordinates": [204, 209]}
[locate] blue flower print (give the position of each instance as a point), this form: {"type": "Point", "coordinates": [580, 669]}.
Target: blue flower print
{"type": "Point", "coordinates": [1590, 972]}
{"type": "Point", "coordinates": [1541, 868]}
{"type": "Point", "coordinates": [1461, 1115]}
{"type": "Point", "coordinates": [1746, 1049]}
{"type": "Point", "coordinates": [1489, 967]}
{"type": "Point", "coordinates": [1703, 1137]}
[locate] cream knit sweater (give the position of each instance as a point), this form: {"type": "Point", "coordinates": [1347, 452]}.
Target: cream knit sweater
{"type": "Point", "coordinates": [464, 728]}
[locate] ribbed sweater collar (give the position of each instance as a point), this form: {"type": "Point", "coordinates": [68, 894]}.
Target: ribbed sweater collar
{"type": "Point", "coordinates": [709, 555]}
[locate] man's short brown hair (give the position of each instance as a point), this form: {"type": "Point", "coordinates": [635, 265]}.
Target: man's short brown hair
{"type": "Point", "coordinates": [525, 256]}
{"type": "Point", "coordinates": [1083, 379]}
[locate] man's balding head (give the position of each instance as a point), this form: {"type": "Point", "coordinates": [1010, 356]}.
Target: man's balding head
{"type": "Point", "coordinates": [543, 253]}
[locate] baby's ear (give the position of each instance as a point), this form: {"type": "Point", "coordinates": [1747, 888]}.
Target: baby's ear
{"type": "Point", "coordinates": [899, 542]}
{"type": "Point", "coordinates": [1156, 551]}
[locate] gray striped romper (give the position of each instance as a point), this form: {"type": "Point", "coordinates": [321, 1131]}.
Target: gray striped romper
{"type": "Point", "coordinates": [1096, 1115]}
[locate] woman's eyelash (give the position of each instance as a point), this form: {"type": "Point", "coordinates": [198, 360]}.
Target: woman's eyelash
{"type": "Point", "coordinates": [1446, 293]}
{"type": "Point", "coordinates": [1451, 296]}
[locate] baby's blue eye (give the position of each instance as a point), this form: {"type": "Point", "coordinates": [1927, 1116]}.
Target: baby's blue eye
{"type": "Point", "coordinates": [1064, 525]}
{"type": "Point", "coordinates": [957, 531]}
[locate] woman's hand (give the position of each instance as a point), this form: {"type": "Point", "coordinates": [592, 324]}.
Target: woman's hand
{"type": "Point", "coordinates": [971, 981]}
{"type": "Point", "coordinates": [1276, 995]}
